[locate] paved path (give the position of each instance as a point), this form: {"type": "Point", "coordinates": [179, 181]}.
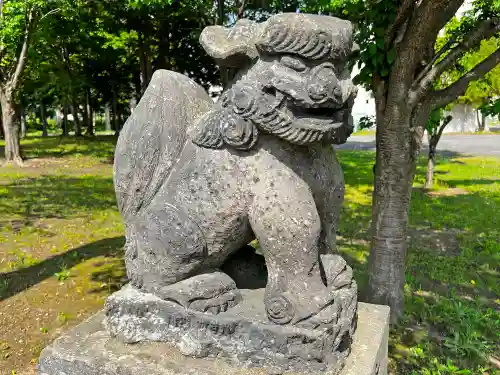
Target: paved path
{"type": "Point", "coordinates": [463, 144]}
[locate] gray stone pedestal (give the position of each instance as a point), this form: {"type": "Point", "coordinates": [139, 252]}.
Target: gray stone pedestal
{"type": "Point", "coordinates": [88, 349]}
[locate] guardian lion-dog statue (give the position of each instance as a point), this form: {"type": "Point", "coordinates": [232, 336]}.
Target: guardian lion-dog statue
{"type": "Point", "coordinates": [197, 181]}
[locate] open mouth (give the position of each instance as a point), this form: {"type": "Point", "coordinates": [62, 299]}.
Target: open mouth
{"type": "Point", "coordinates": [323, 119]}
{"type": "Point", "coordinates": [319, 118]}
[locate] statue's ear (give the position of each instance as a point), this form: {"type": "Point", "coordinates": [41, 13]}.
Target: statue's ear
{"type": "Point", "coordinates": [232, 47]}
{"type": "Point", "coordinates": [223, 127]}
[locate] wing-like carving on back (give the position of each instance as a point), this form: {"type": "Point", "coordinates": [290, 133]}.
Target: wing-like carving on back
{"type": "Point", "coordinates": [153, 137]}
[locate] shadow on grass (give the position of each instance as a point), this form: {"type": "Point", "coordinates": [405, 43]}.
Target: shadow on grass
{"type": "Point", "coordinates": [111, 275]}
{"type": "Point", "coordinates": [478, 181]}
{"type": "Point", "coordinates": [16, 281]}
{"type": "Point", "coordinates": [54, 197]}
{"type": "Point", "coordinates": [57, 146]}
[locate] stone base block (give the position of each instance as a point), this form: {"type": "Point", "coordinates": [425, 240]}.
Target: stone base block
{"type": "Point", "coordinates": [89, 349]}
{"type": "Point", "coordinates": [243, 334]}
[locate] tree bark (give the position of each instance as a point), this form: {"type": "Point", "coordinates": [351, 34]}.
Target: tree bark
{"type": "Point", "coordinates": [394, 172]}
{"type": "Point", "coordinates": [22, 117]}
{"type": "Point", "coordinates": [481, 120]}
{"type": "Point", "coordinates": [44, 120]}
{"type": "Point", "coordinates": [115, 114]}
{"type": "Point", "coordinates": [241, 10]}
{"type": "Point", "coordinates": [85, 113]}
{"type": "Point", "coordinates": [145, 62]}
{"type": "Point", "coordinates": [90, 112]}
{"type": "Point", "coordinates": [107, 117]}
{"type": "Point", "coordinates": [10, 129]}
{"type": "Point", "coordinates": [434, 138]}
{"type": "Point", "coordinates": [163, 61]}
{"type": "Point", "coordinates": [431, 162]}
{"type": "Point", "coordinates": [77, 125]}
{"type": "Point", "coordinates": [65, 128]}
{"type": "Point", "coordinates": [224, 71]}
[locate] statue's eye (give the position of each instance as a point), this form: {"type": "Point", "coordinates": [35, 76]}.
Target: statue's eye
{"type": "Point", "coordinates": [293, 63]}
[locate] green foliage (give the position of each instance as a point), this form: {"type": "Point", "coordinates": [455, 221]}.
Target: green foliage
{"type": "Point", "coordinates": [366, 122]}
{"type": "Point", "coordinates": [63, 274]}
{"type": "Point", "coordinates": [21, 259]}
{"type": "Point", "coordinates": [491, 107]}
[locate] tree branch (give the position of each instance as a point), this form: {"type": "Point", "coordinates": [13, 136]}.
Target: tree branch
{"type": "Point", "coordinates": [440, 131]}
{"type": "Point", "coordinates": [485, 30]}
{"type": "Point", "coordinates": [402, 16]}
{"type": "Point", "coordinates": [416, 49]}
{"type": "Point", "coordinates": [21, 60]}
{"type": "Point", "coordinates": [441, 98]}
{"type": "Point", "coordinates": [53, 11]}
{"type": "Point", "coordinates": [241, 9]}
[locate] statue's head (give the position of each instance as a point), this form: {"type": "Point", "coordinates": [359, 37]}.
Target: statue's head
{"type": "Point", "coordinates": [293, 81]}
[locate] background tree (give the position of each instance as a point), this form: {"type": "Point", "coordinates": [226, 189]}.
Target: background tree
{"type": "Point", "coordinates": [400, 64]}
{"type": "Point", "coordinates": [18, 20]}
{"type": "Point", "coordinates": [435, 127]}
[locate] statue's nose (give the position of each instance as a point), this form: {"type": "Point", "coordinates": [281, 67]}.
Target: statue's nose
{"type": "Point", "coordinates": [323, 87]}
{"type": "Point", "coordinates": [294, 87]}
{"type": "Point", "coordinates": [314, 89]}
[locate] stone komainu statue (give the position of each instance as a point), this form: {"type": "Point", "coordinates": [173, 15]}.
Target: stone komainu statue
{"type": "Point", "coordinates": [197, 181]}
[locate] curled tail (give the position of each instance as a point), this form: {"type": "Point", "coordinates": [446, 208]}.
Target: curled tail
{"type": "Point", "coordinates": [153, 137]}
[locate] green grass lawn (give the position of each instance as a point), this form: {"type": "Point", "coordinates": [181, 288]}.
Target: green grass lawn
{"type": "Point", "coordinates": [61, 239]}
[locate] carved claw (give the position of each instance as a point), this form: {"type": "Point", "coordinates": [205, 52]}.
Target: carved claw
{"type": "Point", "coordinates": [216, 305]}
{"type": "Point", "coordinates": [334, 304]}
{"type": "Point", "coordinates": [337, 272]}
{"type": "Point", "coordinates": [211, 293]}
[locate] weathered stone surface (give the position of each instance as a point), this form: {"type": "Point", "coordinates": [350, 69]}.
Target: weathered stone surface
{"type": "Point", "coordinates": [196, 182]}
{"type": "Point", "coordinates": [89, 350]}
{"type": "Point", "coordinates": [243, 333]}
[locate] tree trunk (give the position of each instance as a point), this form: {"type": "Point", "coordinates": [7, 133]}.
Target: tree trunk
{"type": "Point", "coordinates": [394, 172]}
{"type": "Point", "coordinates": [114, 111]}
{"type": "Point", "coordinates": [45, 132]}
{"type": "Point", "coordinates": [107, 117]}
{"type": "Point", "coordinates": [1, 124]}
{"type": "Point", "coordinates": [431, 162]}
{"type": "Point", "coordinates": [90, 113]}
{"type": "Point", "coordinates": [224, 71]}
{"type": "Point", "coordinates": [133, 104]}
{"type": "Point", "coordinates": [85, 113]}
{"type": "Point", "coordinates": [65, 128]}
{"type": "Point", "coordinates": [163, 61]}
{"type": "Point", "coordinates": [145, 62]}
{"type": "Point", "coordinates": [77, 126]}
{"type": "Point", "coordinates": [481, 120]}
{"type": "Point", "coordinates": [22, 116]}
{"type": "Point", "coordinates": [10, 130]}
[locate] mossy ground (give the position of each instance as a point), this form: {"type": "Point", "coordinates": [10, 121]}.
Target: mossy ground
{"type": "Point", "coordinates": [61, 238]}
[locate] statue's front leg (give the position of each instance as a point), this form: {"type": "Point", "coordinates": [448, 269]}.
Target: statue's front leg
{"type": "Point", "coordinates": [286, 222]}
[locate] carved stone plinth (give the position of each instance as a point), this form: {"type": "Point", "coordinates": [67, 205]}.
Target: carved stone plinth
{"type": "Point", "coordinates": [89, 349]}
{"type": "Point", "coordinates": [242, 334]}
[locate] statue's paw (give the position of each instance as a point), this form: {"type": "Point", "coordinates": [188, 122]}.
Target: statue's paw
{"type": "Point", "coordinates": [338, 273]}
{"type": "Point", "coordinates": [217, 304]}
{"type": "Point", "coordinates": [211, 292]}
{"type": "Point", "coordinates": [324, 318]}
